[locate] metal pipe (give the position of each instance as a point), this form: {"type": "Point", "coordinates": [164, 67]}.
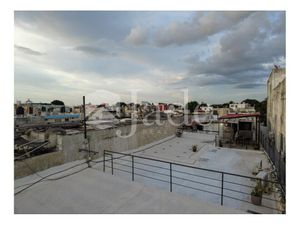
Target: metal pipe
{"type": "Point", "coordinates": [258, 131]}
{"type": "Point", "coordinates": [84, 119]}
{"type": "Point", "coordinates": [171, 177]}
{"type": "Point", "coordinates": [132, 167]}
{"type": "Point", "coordinates": [222, 188]}
{"type": "Point", "coordinates": [104, 161]}
{"type": "Point", "coordinates": [112, 164]}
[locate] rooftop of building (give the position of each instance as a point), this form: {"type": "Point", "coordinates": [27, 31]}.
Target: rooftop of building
{"type": "Point", "coordinates": [92, 191]}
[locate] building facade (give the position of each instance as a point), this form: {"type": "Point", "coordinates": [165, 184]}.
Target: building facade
{"type": "Point", "coordinates": [241, 108]}
{"type": "Point", "coordinates": [276, 109]}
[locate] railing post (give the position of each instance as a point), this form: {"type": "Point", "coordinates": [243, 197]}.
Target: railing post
{"type": "Point", "coordinates": [132, 167]}
{"type": "Point", "coordinates": [170, 177]}
{"type": "Point", "coordinates": [222, 188]}
{"type": "Point", "coordinates": [104, 161]}
{"type": "Point", "coordinates": [112, 164]}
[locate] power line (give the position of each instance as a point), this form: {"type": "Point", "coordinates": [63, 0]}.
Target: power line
{"type": "Point", "coordinates": [51, 179]}
{"type": "Point", "coordinates": [43, 178]}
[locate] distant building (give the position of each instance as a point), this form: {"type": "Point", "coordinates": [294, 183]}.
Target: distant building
{"type": "Point", "coordinates": [32, 113]}
{"type": "Point", "coordinates": [62, 118]}
{"type": "Point", "coordinates": [77, 109]}
{"type": "Point", "coordinates": [221, 111]}
{"type": "Point", "coordinates": [276, 109]}
{"type": "Point", "coordinates": [241, 108]}
{"type": "Point", "coordinates": [162, 107]}
{"type": "Point", "coordinates": [206, 109]}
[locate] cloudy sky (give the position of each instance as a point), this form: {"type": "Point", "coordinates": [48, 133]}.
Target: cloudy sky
{"type": "Point", "coordinates": [217, 56]}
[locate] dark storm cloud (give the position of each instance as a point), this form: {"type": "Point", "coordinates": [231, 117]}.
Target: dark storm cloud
{"type": "Point", "coordinates": [167, 49]}
{"type": "Point", "coordinates": [244, 51]}
{"type": "Point", "coordinates": [28, 51]}
{"type": "Point", "coordinates": [201, 26]}
{"type": "Point", "coordinates": [243, 80]}
{"type": "Point", "coordinates": [249, 85]}
{"type": "Point", "coordinates": [94, 51]}
{"type": "Point", "coordinates": [77, 26]}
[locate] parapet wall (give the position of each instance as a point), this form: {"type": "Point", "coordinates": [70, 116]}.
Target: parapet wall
{"type": "Point", "coordinates": [109, 140]}
{"type": "Point", "coordinates": [68, 145]}
{"type": "Point", "coordinates": [38, 163]}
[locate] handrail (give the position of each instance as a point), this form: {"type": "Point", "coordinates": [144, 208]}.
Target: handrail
{"type": "Point", "coordinates": [188, 166]}
{"type": "Point", "coordinates": [220, 187]}
{"type": "Point", "coordinates": [271, 153]}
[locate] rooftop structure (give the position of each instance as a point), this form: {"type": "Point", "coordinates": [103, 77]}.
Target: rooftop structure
{"type": "Point", "coordinates": [92, 191]}
{"type": "Point", "coordinates": [240, 130]}
{"type": "Point", "coordinates": [196, 179]}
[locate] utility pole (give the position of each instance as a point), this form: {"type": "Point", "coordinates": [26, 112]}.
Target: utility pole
{"type": "Point", "coordinates": [86, 141]}
{"type": "Point", "coordinates": [84, 118]}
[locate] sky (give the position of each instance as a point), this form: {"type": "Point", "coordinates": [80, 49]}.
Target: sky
{"type": "Point", "coordinates": [218, 56]}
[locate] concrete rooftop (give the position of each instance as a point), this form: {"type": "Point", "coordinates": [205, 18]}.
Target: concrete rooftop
{"type": "Point", "coordinates": [92, 191]}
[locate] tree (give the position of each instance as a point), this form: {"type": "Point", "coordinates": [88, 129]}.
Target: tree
{"type": "Point", "coordinates": [57, 102]}
{"type": "Point", "coordinates": [20, 110]}
{"type": "Point", "coordinates": [226, 105]}
{"type": "Point", "coordinates": [252, 102]}
{"type": "Point", "coordinates": [192, 105]}
{"type": "Point", "coordinates": [216, 105]}
{"type": "Point", "coordinates": [263, 111]}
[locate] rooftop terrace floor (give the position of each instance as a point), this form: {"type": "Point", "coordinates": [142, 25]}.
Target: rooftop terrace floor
{"type": "Point", "coordinates": [179, 150]}
{"type": "Point", "coordinates": [92, 191]}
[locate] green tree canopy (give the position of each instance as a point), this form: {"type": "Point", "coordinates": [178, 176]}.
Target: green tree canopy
{"type": "Point", "coordinates": [263, 111]}
{"type": "Point", "coordinates": [192, 105]}
{"type": "Point", "coordinates": [226, 105]}
{"type": "Point", "coordinates": [216, 105]}
{"type": "Point", "coordinates": [57, 102]}
{"type": "Point", "coordinates": [252, 102]}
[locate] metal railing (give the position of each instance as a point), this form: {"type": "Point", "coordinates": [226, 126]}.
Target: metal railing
{"type": "Point", "coordinates": [276, 157]}
{"type": "Point", "coordinates": [220, 185]}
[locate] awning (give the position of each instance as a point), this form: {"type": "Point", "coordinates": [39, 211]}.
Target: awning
{"type": "Point", "coordinates": [234, 116]}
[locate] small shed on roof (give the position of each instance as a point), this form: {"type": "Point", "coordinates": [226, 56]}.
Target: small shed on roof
{"type": "Point", "coordinates": [245, 115]}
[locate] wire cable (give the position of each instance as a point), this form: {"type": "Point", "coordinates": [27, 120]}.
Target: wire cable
{"type": "Point", "coordinates": [43, 178]}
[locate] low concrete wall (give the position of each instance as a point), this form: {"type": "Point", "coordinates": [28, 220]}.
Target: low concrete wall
{"type": "Point", "coordinates": [68, 145]}
{"type": "Point", "coordinates": [38, 163]}
{"type": "Point", "coordinates": [108, 140]}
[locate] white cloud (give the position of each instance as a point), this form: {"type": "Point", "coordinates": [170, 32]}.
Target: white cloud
{"type": "Point", "coordinates": [137, 36]}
